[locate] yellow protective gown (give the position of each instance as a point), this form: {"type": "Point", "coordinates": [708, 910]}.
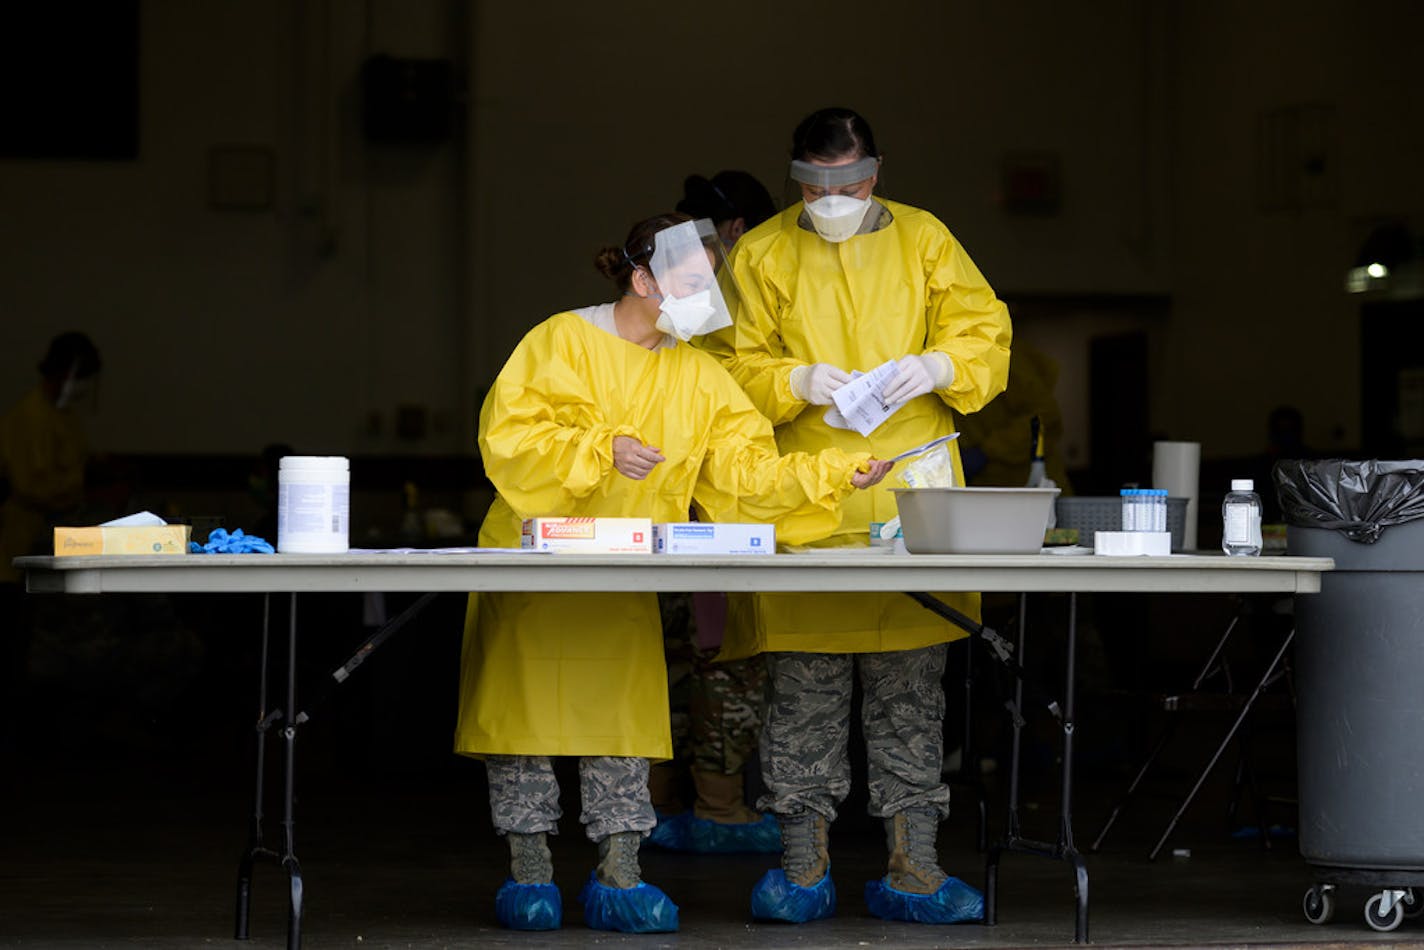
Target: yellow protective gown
{"type": "Point", "coordinates": [42, 455]}
{"type": "Point", "coordinates": [907, 288]}
{"type": "Point", "coordinates": [584, 674]}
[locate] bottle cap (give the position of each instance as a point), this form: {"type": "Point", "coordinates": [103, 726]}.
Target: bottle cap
{"type": "Point", "coordinates": [1242, 484]}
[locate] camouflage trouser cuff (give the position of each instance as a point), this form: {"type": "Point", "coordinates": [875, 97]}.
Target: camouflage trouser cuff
{"type": "Point", "coordinates": [795, 807]}
{"type": "Point", "coordinates": [936, 798]}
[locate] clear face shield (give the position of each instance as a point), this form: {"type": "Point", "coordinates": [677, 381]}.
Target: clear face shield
{"type": "Point", "coordinates": [78, 393]}
{"type": "Point", "coordinates": [837, 197]}
{"type": "Point", "coordinates": [689, 265]}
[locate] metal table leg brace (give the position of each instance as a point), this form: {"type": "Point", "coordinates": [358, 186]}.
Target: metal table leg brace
{"type": "Point", "coordinates": [256, 850]}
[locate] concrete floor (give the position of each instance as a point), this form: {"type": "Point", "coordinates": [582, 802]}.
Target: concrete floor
{"type": "Point", "coordinates": [142, 852]}
{"type": "Point", "coordinates": [126, 794]}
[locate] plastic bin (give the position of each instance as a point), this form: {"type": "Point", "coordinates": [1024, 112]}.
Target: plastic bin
{"type": "Point", "coordinates": [1359, 669]}
{"type": "Point", "coordinates": [974, 520]}
{"type": "Point", "coordinates": [1091, 513]}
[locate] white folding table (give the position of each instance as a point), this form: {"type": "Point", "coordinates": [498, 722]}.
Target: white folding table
{"type": "Point", "coordinates": [856, 570]}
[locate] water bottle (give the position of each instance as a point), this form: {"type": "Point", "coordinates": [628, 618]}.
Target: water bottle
{"type": "Point", "coordinates": [1241, 519]}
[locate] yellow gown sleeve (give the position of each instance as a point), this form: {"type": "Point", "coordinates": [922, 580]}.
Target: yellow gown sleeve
{"type": "Point", "coordinates": [543, 439]}
{"type": "Point", "coordinates": [744, 478]}
{"type": "Point", "coordinates": [967, 322]}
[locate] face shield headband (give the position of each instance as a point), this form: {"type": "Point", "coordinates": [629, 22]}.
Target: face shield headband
{"type": "Point", "coordinates": [834, 176]}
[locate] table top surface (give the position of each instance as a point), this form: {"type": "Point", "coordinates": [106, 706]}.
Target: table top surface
{"type": "Point", "coordinates": [842, 569]}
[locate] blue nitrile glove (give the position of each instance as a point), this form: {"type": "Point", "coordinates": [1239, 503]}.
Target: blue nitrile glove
{"type": "Point", "coordinates": [220, 542]}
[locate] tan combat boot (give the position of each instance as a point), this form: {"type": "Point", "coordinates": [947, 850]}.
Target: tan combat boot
{"type": "Point", "coordinates": [618, 860]}
{"type": "Point", "coordinates": [805, 848]}
{"type": "Point", "coordinates": [529, 859]}
{"type": "Point", "coordinates": [914, 860]}
{"type": "Point", "coordinates": [719, 799]}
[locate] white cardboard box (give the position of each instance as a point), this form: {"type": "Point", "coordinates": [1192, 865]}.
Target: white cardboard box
{"type": "Point", "coordinates": [698, 537]}
{"type": "Point", "coordinates": [1126, 543]}
{"type": "Point", "coordinates": [588, 535]}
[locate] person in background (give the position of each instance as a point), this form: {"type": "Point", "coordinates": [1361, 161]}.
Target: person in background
{"type": "Point", "coordinates": [734, 200]}
{"type": "Point", "coordinates": [42, 460]}
{"type": "Point", "coordinates": [1285, 439]}
{"type": "Point", "coordinates": [997, 443]}
{"type": "Point", "coordinates": [841, 282]}
{"type": "Point", "coordinates": [716, 707]}
{"type": "Point", "coordinates": [606, 412]}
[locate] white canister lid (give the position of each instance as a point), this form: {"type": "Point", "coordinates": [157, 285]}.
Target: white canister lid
{"type": "Point", "coordinates": [314, 463]}
{"type": "Point", "coordinates": [1242, 484]}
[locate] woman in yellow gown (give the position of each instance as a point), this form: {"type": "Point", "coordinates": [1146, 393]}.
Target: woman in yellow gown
{"type": "Point", "coordinates": [840, 282]}
{"type": "Point", "coordinates": [607, 412]}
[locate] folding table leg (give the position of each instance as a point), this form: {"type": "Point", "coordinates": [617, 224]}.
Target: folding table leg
{"type": "Point", "coordinates": [256, 850]}
{"type": "Point", "coordinates": [1063, 849]}
{"type": "Point", "coordinates": [289, 733]}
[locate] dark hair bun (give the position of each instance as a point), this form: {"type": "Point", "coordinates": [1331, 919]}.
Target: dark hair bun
{"type": "Point", "coordinates": [610, 262]}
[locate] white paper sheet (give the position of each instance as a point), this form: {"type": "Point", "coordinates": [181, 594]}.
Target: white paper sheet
{"type": "Point", "coordinates": [860, 402]}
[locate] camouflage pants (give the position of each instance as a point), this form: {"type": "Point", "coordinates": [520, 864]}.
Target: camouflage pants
{"type": "Point", "coordinates": [524, 794]}
{"type": "Point", "coordinates": [804, 754]}
{"type": "Point", "coordinates": [716, 707]}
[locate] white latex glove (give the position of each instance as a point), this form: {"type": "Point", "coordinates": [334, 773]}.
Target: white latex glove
{"type": "Point", "coordinates": [816, 382]}
{"type": "Point", "coordinates": [633, 459]}
{"type": "Point", "coordinates": [917, 376]}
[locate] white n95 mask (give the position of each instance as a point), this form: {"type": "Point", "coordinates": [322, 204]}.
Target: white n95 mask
{"type": "Point", "coordinates": [690, 316]}
{"type": "Point", "coordinates": [837, 217]}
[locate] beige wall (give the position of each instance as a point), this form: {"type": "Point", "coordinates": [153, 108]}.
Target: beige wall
{"type": "Point", "coordinates": [387, 276]}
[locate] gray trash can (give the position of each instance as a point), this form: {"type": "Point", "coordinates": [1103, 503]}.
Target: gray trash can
{"type": "Point", "coordinates": [1359, 676]}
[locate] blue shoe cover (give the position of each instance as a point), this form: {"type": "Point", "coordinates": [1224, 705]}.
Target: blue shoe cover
{"type": "Point", "coordinates": [671, 832]}
{"type": "Point", "coordinates": [955, 902]}
{"type": "Point", "coordinates": [753, 837]}
{"type": "Point", "coordinates": [529, 906]}
{"type": "Point", "coordinates": [686, 832]}
{"type": "Point", "coordinates": [776, 898]}
{"type": "Point", "coordinates": [644, 909]}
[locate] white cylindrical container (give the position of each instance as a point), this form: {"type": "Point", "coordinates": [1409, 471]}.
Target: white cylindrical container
{"type": "Point", "coordinates": [313, 504]}
{"type": "Point", "coordinates": [1176, 467]}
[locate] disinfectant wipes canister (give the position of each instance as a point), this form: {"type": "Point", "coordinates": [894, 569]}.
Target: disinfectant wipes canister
{"type": "Point", "coordinates": [313, 504]}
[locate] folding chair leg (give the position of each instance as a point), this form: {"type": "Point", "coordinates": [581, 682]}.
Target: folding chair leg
{"type": "Point", "coordinates": [1266, 679]}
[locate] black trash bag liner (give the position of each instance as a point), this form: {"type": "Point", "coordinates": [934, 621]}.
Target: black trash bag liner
{"type": "Point", "coordinates": [1358, 499]}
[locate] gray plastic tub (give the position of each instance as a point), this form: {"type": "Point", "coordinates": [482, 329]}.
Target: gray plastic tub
{"type": "Point", "coordinates": [974, 520]}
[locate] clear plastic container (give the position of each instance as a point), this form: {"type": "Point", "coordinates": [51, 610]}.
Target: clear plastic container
{"type": "Point", "coordinates": [1241, 519]}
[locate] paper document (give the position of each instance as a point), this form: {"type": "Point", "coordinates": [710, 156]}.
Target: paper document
{"type": "Point", "coordinates": [860, 401]}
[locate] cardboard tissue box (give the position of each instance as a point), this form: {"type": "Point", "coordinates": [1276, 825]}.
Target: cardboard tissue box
{"type": "Point", "coordinates": [143, 533]}
{"type": "Point", "coordinates": [588, 535]}
{"type": "Point", "coordinates": [700, 537]}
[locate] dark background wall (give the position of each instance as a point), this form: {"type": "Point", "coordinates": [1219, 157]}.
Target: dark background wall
{"type": "Point", "coordinates": [268, 260]}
